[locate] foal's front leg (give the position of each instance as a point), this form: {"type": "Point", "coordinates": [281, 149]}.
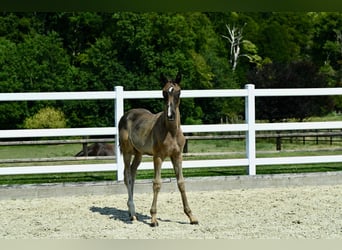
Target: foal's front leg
{"type": "Point", "coordinates": [157, 161]}
{"type": "Point", "coordinates": [177, 166]}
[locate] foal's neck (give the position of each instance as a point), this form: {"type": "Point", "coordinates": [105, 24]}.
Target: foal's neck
{"type": "Point", "coordinates": [174, 125]}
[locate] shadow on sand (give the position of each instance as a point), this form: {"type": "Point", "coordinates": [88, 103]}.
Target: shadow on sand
{"type": "Point", "coordinates": [122, 215]}
{"type": "Point", "coordinates": [118, 214]}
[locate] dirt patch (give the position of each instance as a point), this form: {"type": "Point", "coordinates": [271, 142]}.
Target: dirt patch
{"type": "Point", "coordinates": [272, 213]}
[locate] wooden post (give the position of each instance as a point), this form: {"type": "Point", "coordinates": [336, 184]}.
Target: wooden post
{"type": "Point", "coordinates": [85, 148]}
{"type": "Point", "coordinates": [278, 143]}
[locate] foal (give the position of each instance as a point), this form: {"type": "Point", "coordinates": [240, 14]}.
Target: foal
{"type": "Point", "coordinates": [159, 135]}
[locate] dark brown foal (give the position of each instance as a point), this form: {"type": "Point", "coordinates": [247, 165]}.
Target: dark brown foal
{"type": "Point", "coordinates": [159, 135]}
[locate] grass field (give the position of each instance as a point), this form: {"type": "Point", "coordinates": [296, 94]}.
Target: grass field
{"type": "Point", "coordinates": [224, 149]}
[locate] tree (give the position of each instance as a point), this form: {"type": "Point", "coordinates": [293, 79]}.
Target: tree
{"type": "Point", "coordinates": [43, 64]}
{"type": "Point", "coordinates": [326, 49]}
{"type": "Point", "coordinates": [284, 37]}
{"type": "Point", "coordinates": [32, 63]}
{"type": "Point", "coordinates": [96, 51]}
{"type": "Point", "coordinates": [327, 40]}
{"type": "Point", "coordinates": [235, 39]}
{"type": "Point", "coordinates": [99, 70]}
{"type": "Point", "coordinates": [237, 44]}
{"type": "Point", "coordinates": [293, 75]}
{"type": "Point", "coordinates": [11, 113]}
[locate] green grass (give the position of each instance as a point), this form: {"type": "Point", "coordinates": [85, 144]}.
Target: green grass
{"type": "Point", "coordinates": [167, 173]}
{"type": "Point", "coordinates": [38, 151]}
{"type": "Point", "coordinates": [229, 149]}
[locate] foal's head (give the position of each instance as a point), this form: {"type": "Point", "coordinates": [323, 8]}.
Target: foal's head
{"type": "Point", "coordinates": [171, 94]}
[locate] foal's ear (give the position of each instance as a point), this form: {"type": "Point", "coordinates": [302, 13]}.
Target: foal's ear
{"type": "Point", "coordinates": [178, 78]}
{"type": "Point", "coordinates": [163, 79]}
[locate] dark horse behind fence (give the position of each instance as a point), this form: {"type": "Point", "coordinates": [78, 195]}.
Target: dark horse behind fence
{"type": "Point", "coordinates": [98, 149]}
{"type": "Point", "coordinates": [159, 135]}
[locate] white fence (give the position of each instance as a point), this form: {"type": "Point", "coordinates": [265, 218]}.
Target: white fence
{"type": "Point", "coordinates": [118, 96]}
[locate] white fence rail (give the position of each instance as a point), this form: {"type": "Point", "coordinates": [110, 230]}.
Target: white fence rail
{"type": "Point", "coordinates": [118, 96]}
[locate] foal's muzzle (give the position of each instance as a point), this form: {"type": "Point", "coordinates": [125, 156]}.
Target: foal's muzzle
{"type": "Point", "coordinates": [170, 112]}
{"type": "Point", "coordinates": [171, 118]}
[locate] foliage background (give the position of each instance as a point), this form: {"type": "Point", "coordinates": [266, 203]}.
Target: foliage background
{"type": "Point", "coordinates": [85, 51]}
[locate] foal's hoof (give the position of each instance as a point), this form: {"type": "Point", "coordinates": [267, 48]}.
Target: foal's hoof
{"type": "Point", "coordinates": [195, 222]}
{"type": "Point", "coordinates": [134, 218]}
{"type": "Point", "coordinates": [154, 224]}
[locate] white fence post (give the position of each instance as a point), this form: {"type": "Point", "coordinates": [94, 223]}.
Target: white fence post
{"type": "Point", "coordinates": [250, 133]}
{"type": "Point", "coordinates": [119, 111]}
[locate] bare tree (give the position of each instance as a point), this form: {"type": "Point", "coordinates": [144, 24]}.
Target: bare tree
{"type": "Point", "coordinates": [235, 39]}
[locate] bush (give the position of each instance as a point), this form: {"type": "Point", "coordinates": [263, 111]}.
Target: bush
{"type": "Point", "coordinates": [47, 117]}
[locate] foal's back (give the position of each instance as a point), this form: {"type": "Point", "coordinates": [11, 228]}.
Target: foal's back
{"type": "Point", "coordinates": [137, 128]}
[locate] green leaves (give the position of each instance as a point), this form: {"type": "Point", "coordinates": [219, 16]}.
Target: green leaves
{"type": "Point", "coordinates": [88, 51]}
{"type": "Point", "coordinates": [43, 64]}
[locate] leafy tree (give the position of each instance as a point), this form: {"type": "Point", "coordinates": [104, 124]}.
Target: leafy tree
{"type": "Point", "coordinates": [77, 30]}
{"type": "Point", "coordinates": [327, 48]}
{"type": "Point", "coordinates": [11, 113]}
{"type": "Point", "coordinates": [17, 26]}
{"type": "Point", "coordinates": [83, 51]}
{"type": "Point", "coordinates": [285, 37]}
{"type": "Point", "coordinates": [38, 63]}
{"type": "Point", "coordinates": [99, 71]}
{"type": "Point", "coordinates": [293, 75]}
{"type": "Point", "coordinates": [43, 64]}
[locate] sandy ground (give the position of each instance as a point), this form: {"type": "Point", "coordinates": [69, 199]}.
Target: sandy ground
{"type": "Point", "coordinates": [273, 213]}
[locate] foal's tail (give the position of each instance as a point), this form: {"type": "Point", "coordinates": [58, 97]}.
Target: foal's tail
{"type": "Point", "coordinates": [122, 131]}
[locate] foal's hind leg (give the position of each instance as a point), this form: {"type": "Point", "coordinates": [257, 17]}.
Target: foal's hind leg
{"type": "Point", "coordinates": [129, 178]}
{"type": "Point", "coordinates": [177, 166]}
